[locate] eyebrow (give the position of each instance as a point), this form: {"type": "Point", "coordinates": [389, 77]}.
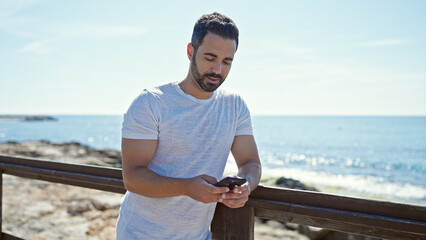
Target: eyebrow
{"type": "Point", "coordinates": [214, 55]}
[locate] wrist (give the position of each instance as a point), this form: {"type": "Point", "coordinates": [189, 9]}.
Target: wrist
{"type": "Point", "coordinates": [184, 186]}
{"type": "Point", "coordinates": [249, 182]}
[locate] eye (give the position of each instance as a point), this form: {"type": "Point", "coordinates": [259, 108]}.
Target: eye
{"type": "Point", "coordinates": [227, 62]}
{"type": "Point", "coordinates": [209, 59]}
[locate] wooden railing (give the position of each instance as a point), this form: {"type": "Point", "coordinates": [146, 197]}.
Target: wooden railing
{"type": "Point", "coordinates": [382, 219]}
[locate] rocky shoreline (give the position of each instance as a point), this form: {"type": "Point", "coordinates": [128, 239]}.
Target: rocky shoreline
{"type": "Point", "coordinates": [39, 210]}
{"type": "Point", "coordinates": [27, 118]}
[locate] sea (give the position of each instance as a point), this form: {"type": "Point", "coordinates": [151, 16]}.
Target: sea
{"type": "Point", "coordinates": [363, 156]}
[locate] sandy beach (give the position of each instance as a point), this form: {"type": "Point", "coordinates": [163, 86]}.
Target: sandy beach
{"type": "Point", "coordinates": [39, 210]}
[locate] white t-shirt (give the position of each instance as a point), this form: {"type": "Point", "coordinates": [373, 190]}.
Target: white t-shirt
{"type": "Point", "coordinates": [194, 137]}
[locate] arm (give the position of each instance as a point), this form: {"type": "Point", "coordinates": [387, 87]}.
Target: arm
{"type": "Point", "coordinates": [137, 154]}
{"type": "Point", "coordinates": [245, 153]}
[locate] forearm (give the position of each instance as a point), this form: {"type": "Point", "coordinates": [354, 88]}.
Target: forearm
{"type": "Point", "coordinates": [142, 181]}
{"type": "Point", "coordinates": [252, 171]}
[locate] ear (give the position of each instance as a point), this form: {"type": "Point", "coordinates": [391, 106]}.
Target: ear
{"type": "Point", "coordinates": [189, 51]}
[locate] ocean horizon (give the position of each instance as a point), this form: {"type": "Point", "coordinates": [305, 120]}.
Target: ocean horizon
{"type": "Point", "coordinates": [367, 156]}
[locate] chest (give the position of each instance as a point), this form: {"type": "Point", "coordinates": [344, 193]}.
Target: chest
{"type": "Point", "coordinates": [213, 124]}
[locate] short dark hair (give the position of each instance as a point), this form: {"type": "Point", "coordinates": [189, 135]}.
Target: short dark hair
{"type": "Point", "coordinates": [214, 23]}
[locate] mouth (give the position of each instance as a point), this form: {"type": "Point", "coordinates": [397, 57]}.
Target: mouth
{"type": "Point", "coordinates": [213, 80]}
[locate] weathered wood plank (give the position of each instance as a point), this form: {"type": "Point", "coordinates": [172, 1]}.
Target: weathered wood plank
{"type": "Point", "coordinates": [76, 179]}
{"type": "Point", "coordinates": [61, 166]}
{"type": "Point", "coordinates": [353, 204]}
{"type": "Point", "coordinates": [350, 217]}
{"type": "Point", "coordinates": [1, 202]}
{"type": "Point", "coordinates": [339, 221]}
{"type": "Point", "coordinates": [6, 236]}
{"type": "Point", "coordinates": [233, 224]}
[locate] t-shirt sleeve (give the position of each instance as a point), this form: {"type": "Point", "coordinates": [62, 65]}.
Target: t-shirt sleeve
{"type": "Point", "coordinates": [140, 120]}
{"type": "Point", "coordinates": [244, 125]}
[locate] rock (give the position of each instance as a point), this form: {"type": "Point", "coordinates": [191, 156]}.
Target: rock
{"type": "Point", "coordinates": [78, 207]}
{"type": "Point", "coordinates": [291, 226]}
{"type": "Point", "coordinates": [31, 212]}
{"type": "Point", "coordinates": [292, 183]}
{"type": "Point", "coordinates": [40, 208]}
{"type": "Point", "coordinates": [313, 232]}
{"type": "Point", "coordinates": [27, 118]}
{"type": "Point", "coordinates": [104, 202]}
{"type": "Point", "coordinates": [34, 209]}
{"type": "Point", "coordinates": [310, 232]}
{"type": "Point", "coordinates": [64, 152]}
{"type": "Point", "coordinates": [275, 230]}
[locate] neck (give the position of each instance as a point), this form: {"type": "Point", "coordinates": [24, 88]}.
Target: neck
{"type": "Point", "coordinates": [191, 87]}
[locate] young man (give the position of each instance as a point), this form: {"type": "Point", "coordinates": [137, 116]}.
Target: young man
{"type": "Point", "coordinates": [176, 141]}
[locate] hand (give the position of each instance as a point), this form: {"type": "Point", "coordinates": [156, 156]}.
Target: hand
{"type": "Point", "coordinates": [237, 197]}
{"type": "Point", "coordinates": [201, 188]}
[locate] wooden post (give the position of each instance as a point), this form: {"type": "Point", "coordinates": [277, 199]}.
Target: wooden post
{"type": "Point", "coordinates": [1, 203]}
{"type": "Point", "coordinates": [235, 224]}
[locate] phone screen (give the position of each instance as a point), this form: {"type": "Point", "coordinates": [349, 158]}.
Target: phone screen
{"type": "Point", "coordinates": [231, 182]}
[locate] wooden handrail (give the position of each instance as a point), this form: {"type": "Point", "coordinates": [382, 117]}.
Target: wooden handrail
{"type": "Point", "coordinates": [383, 219]}
{"type": "Point", "coordinates": [89, 176]}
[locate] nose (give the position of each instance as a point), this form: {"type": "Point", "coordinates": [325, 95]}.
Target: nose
{"type": "Point", "coordinates": [217, 68]}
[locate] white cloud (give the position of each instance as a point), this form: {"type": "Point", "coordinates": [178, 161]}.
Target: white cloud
{"type": "Point", "coordinates": [52, 35]}
{"type": "Point", "coordinates": [9, 8]}
{"type": "Point", "coordinates": [43, 36]}
{"type": "Point", "coordinates": [301, 52]}
{"type": "Point", "coordinates": [11, 22]}
{"type": "Point", "coordinates": [280, 46]}
{"type": "Point", "coordinates": [81, 31]}
{"type": "Point", "coordinates": [39, 47]}
{"type": "Point", "coordinates": [386, 42]}
{"type": "Point", "coordinates": [330, 87]}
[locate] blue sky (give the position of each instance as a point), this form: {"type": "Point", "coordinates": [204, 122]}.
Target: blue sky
{"type": "Point", "coordinates": [294, 58]}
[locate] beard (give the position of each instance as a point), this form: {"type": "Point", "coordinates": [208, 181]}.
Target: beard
{"type": "Point", "coordinates": [202, 81]}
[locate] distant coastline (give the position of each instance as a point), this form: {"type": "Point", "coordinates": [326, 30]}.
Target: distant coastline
{"type": "Point", "coordinates": [28, 117]}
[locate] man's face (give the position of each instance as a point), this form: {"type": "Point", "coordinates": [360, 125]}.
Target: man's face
{"type": "Point", "coordinates": [211, 63]}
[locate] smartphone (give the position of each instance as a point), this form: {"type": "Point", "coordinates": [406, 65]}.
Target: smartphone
{"type": "Point", "coordinates": [231, 182]}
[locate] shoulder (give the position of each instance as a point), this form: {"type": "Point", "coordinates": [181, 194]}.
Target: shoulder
{"type": "Point", "coordinates": [230, 96]}
{"type": "Point", "coordinates": [159, 91]}
{"type": "Point", "coordinates": [150, 100]}
{"type": "Point", "coordinates": [155, 93]}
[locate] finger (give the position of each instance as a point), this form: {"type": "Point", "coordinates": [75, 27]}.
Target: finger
{"type": "Point", "coordinates": [235, 203]}
{"type": "Point", "coordinates": [211, 188]}
{"type": "Point", "coordinates": [245, 190]}
{"type": "Point", "coordinates": [222, 197]}
{"type": "Point", "coordinates": [214, 198]}
{"type": "Point", "coordinates": [242, 188]}
{"type": "Point", "coordinates": [233, 176]}
{"type": "Point", "coordinates": [218, 190]}
{"type": "Point", "coordinates": [209, 179]}
{"type": "Point", "coordinates": [226, 197]}
{"type": "Point", "coordinates": [240, 195]}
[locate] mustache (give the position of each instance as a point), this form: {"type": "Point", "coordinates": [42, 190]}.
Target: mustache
{"type": "Point", "coordinates": [213, 75]}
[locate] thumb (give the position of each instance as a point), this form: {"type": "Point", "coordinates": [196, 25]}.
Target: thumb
{"type": "Point", "coordinates": [209, 179]}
